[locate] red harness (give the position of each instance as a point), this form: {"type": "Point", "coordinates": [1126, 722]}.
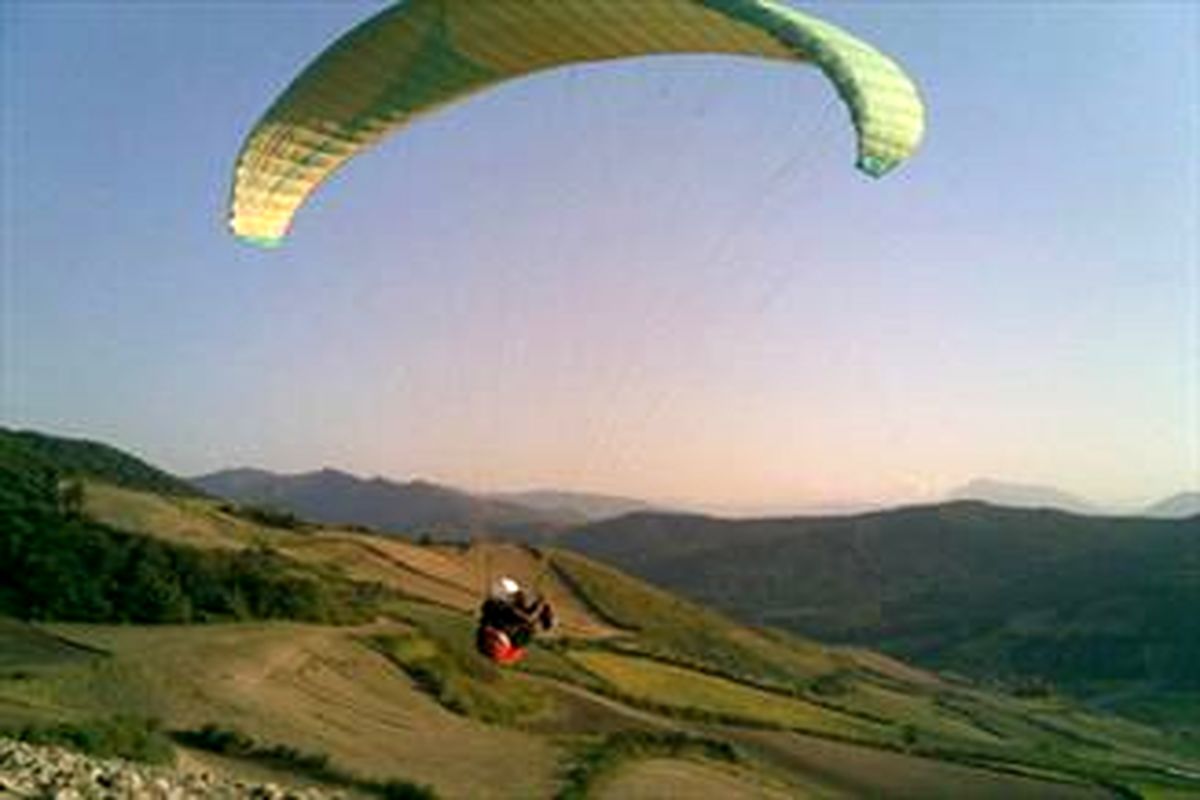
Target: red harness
{"type": "Point", "coordinates": [495, 644]}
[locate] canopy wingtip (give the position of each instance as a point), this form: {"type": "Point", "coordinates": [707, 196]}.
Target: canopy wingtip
{"type": "Point", "coordinates": [264, 242]}
{"type": "Point", "coordinates": [876, 166]}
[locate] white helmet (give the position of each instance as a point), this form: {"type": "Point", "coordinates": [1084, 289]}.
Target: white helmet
{"type": "Point", "coordinates": [505, 588]}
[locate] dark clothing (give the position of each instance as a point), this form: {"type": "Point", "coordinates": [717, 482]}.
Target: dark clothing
{"type": "Point", "coordinates": [499, 614]}
{"type": "Point", "coordinates": [518, 619]}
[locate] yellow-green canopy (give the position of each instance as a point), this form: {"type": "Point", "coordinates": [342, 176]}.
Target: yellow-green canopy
{"type": "Point", "coordinates": [420, 55]}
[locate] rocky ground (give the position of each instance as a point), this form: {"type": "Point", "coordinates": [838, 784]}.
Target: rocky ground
{"type": "Point", "coordinates": [28, 771]}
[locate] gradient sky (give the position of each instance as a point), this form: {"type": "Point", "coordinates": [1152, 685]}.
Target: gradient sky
{"type": "Point", "coordinates": [660, 278]}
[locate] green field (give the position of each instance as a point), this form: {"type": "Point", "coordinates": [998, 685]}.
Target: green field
{"type": "Point", "coordinates": [684, 689]}
{"type": "Point", "coordinates": [668, 626]}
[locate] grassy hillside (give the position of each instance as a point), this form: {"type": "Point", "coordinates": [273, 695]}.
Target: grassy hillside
{"type": "Point", "coordinates": [670, 628]}
{"type": "Point", "coordinates": [429, 714]}
{"type": "Point", "coordinates": [59, 563]}
{"type": "Point", "coordinates": [317, 690]}
{"type": "Point", "coordinates": [1086, 603]}
{"type": "Point", "coordinates": [453, 575]}
{"type": "Point", "coordinates": [638, 689]}
{"type": "Point", "coordinates": [195, 521]}
{"type": "Point", "coordinates": [20, 451]}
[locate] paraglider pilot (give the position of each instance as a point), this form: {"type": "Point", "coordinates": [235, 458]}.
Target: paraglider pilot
{"type": "Point", "coordinates": [508, 620]}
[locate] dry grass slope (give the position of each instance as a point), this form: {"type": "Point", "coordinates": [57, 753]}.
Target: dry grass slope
{"type": "Point", "coordinates": [319, 690]}
{"type": "Point", "coordinates": [183, 520]}
{"type": "Point", "coordinates": [658, 778]}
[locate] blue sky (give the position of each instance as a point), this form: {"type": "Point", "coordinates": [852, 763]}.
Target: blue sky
{"type": "Point", "coordinates": [659, 277]}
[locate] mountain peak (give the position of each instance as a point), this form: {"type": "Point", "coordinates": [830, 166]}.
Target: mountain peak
{"type": "Point", "coordinates": [1177, 506]}
{"type": "Point", "coordinates": [1021, 495]}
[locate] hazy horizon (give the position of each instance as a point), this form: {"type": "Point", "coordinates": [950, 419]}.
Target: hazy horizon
{"type": "Point", "coordinates": [779, 507]}
{"type": "Point", "coordinates": [659, 278]}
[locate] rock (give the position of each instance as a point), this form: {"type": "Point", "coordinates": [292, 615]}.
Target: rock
{"type": "Point", "coordinates": [28, 771]}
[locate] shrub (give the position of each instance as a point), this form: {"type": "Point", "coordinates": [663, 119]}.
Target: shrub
{"type": "Point", "coordinates": [132, 738]}
{"type": "Point", "coordinates": [404, 790]}
{"type": "Point", "coordinates": [266, 515]}
{"type": "Point", "coordinates": [831, 684]}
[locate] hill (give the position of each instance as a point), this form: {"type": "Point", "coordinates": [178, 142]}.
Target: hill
{"type": "Point", "coordinates": [1086, 603]}
{"type": "Point", "coordinates": [334, 497]}
{"type": "Point", "coordinates": [580, 506]}
{"type": "Point", "coordinates": [26, 451]}
{"type": "Point", "coordinates": [383, 694]}
{"type": "Point", "coordinates": [638, 686]}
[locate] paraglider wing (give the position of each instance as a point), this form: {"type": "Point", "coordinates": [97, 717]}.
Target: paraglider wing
{"type": "Point", "coordinates": [420, 55]}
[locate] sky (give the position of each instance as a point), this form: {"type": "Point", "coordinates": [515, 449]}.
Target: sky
{"type": "Point", "coordinates": [660, 278]}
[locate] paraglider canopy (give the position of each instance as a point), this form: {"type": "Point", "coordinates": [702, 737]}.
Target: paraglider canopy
{"type": "Point", "coordinates": [421, 55]}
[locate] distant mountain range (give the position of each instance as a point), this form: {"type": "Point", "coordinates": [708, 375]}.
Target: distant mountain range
{"type": "Point", "coordinates": [334, 497]}
{"type": "Point", "coordinates": [1021, 495]}
{"type": "Point", "coordinates": [582, 506]}
{"type": "Point", "coordinates": [338, 497]}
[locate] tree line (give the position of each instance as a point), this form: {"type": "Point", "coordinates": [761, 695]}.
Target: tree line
{"type": "Point", "coordinates": [56, 564]}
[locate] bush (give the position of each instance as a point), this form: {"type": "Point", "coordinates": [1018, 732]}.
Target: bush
{"type": "Point", "coordinates": [266, 515]}
{"type": "Point", "coordinates": [831, 684]}
{"type": "Point", "coordinates": [225, 741]}
{"type": "Point", "coordinates": [404, 790]}
{"type": "Point", "coordinates": [131, 738]}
